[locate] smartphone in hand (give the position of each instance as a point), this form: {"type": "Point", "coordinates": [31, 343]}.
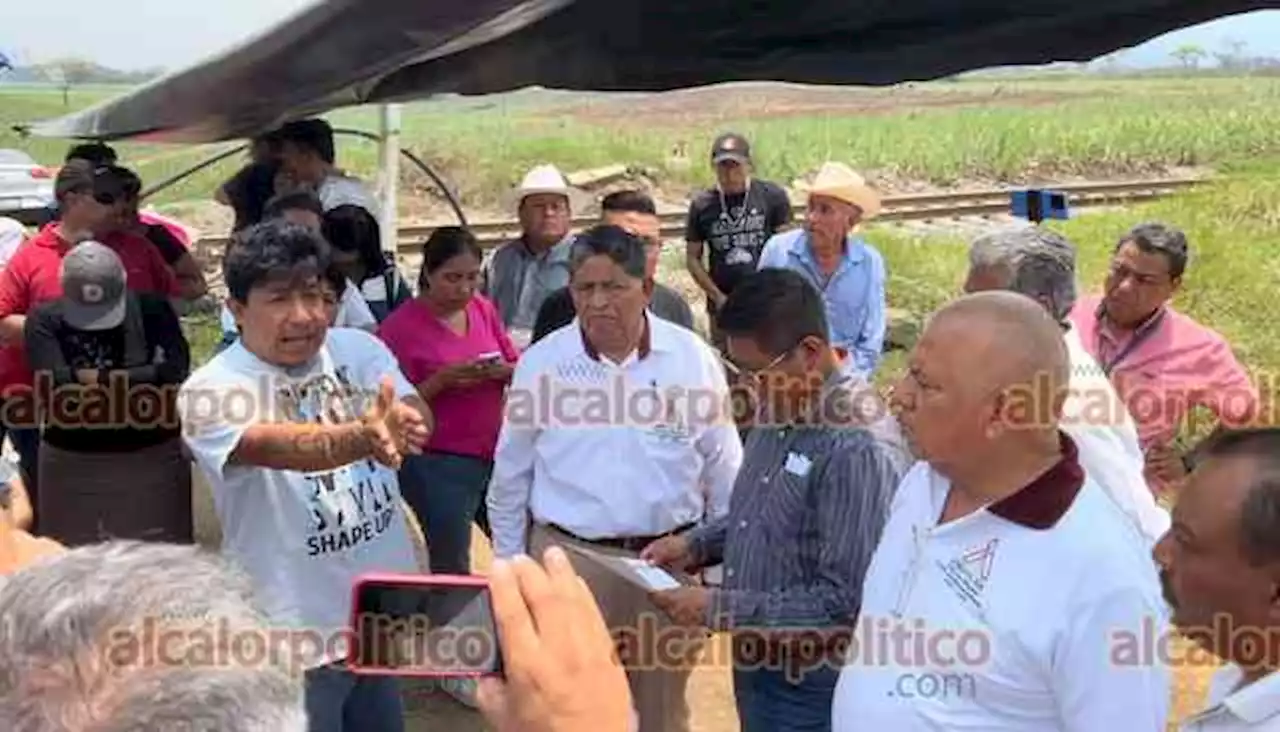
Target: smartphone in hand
{"type": "Point", "coordinates": [485, 360]}
{"type": "Point", "coordinates": [436, 626]}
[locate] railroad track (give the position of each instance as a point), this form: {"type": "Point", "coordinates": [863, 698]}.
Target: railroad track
{"type": "Point", "coordinates": [915, 207]}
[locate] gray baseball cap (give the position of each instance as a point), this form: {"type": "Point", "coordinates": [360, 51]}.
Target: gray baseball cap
{"type": "Point", "coordinates": [93, 287]}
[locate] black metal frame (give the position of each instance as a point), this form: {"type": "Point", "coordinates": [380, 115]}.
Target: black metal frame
{"type": "Point", "coordinates": [435, 178]}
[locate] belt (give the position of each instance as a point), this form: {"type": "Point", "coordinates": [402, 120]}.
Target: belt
{"type": "Point", "coordinates": [625, 543]}
{"type": "Point", "coordinates": [790, 651]}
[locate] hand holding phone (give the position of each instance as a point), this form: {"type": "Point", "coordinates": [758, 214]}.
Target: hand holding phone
{"type": "Point", "coordinates": [562, 673]}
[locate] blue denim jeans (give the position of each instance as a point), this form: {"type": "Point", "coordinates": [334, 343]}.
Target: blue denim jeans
{"type": "Point", "coordinates": [340, 701]}
{"type": "Point", "coordinates": [447, 493]}
{"type": "Point", "coordinates": [769, 701]}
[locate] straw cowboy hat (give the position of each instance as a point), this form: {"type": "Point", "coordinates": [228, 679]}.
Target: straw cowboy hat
{"type": "Point", "coordinates": [545, 179]}
{"type": "Point", "coordinates": [839, 181]}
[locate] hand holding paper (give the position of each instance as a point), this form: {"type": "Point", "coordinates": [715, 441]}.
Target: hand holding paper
{"type": "Point", "coordinates": [685, 605]}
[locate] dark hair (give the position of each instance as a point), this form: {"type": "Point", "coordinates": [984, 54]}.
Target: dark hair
{"type": "Point", "coordinates": [1260, 512]}
{"type": "Point", "coordinates": [1157, 238]}
{"type": "Point", "coordinates": [129, 181]}
{"type": "Point", "coordinates": [352, 228]}
{"type": "Point", "coordinates": [633, 201]}
{"type": "Point", "coordinates": [310, 134]}
{"type": "Point", "coordinates": [616, 243]}
{"type": "Point", "coordinates": [293, 201]}
{"type": "Point", "coordinates": [77, 176]}
{"type": "Point", "coordinates": [94, 153]}
{"type": "Point", "coordinates": [777, 308]}
{"type": "Point", "coordinates": [444, 244]}
{"type": "Point", "coordinates": [336, 279]}
{"type": "Point", "coordinates": [272, 250]}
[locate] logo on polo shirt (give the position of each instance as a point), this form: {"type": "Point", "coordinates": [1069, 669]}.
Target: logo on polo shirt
{"type": "Point", "coordinates": [968, 573]}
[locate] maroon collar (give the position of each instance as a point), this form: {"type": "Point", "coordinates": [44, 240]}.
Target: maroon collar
{"type": "Point", "coordinates": [646, 343]}
{"type": "Point", "coordinates": [1044, 501]}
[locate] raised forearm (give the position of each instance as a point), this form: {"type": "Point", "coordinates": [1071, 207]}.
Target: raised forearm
{"type": "Point", "coordinates": [304, 448]}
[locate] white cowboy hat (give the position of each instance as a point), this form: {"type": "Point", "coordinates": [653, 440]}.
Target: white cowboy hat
{"type": "Point", "coordinates": [839, 181]}
{"type": "Point", "coordinates": [545, 179]}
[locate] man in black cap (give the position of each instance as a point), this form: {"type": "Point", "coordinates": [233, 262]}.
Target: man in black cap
{"type": "Point", "coordinates": [733, 220]}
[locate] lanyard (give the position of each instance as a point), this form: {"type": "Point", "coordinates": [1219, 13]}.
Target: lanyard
{"type": "Point", "coordinates": [1140, 336]}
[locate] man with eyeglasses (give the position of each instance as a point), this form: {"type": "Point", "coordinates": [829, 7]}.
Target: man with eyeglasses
{"type": "Point", "coordinates": [1162, 363]}
{"type": "Point", "coordinates": [87, 198]}
{"type": "Point", "coordinates": [813, 494]}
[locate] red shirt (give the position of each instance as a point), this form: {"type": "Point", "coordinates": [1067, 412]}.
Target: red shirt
{"type": "Point", "coordinates": [33, 276]}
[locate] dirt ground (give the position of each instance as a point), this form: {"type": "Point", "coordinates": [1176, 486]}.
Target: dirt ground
{"type": "Point", "coordinates": [691, 107]}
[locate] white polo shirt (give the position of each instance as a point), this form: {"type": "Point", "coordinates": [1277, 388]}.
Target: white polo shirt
{"type": "Point", "coordinates": [613, 450]}
{"type": "Point", "coordinates": [1009, 616]}
{"type": "Point", "coordinates": [1254, 708]}
{"type": "Point", "coordinates": [1098, 421]}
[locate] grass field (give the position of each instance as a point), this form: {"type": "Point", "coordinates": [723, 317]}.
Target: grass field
{"type": "Point", "coordinates": [937, 134]}
{"type": "Point", "coordinates": [909, 137]}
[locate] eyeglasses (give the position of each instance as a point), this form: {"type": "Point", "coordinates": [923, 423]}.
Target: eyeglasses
{"type": "Point", "coordinates": [742, 373]}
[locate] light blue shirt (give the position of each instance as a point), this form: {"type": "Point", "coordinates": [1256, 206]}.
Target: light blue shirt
{"type": "Point", "coordinates": [854, 293]}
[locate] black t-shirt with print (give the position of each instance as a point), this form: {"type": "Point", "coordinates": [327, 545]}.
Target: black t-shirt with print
{"type": "Point", "coordinates": [734, 238]}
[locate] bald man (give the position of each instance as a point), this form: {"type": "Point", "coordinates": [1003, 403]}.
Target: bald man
{"type": "Point", "coordinates": [1006, 583]}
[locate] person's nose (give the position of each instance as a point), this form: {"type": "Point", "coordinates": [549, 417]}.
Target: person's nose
{"type": "Point", "coordinates": [1162, 552]}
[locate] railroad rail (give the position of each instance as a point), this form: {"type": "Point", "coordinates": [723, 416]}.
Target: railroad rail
{"type": "Point", "coordinates": [912, 207]}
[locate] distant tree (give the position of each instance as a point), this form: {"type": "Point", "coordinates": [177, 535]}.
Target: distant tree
{"type": "Point", "coordinates": [1189, 55]}
{"type": "Point", "coordinates": [1232, 55]}
{"type": "Point", "coordinates": [68, 73]}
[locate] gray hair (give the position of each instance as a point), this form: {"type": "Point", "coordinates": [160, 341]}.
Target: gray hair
{"type": "Point", "coordinates": [1036, 262]}
{"type": "Point", "coordinates": [1157, 238]}
{"type": "Point", "coordinates": [79, 648]}
{"type": "Point", "coordinates": [625, 249]}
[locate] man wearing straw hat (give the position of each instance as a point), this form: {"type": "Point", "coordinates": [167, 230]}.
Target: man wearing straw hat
{"type": "Point", "coordinates": [522, 273]}
{"type": "Point", "coordinates": [848, 271]}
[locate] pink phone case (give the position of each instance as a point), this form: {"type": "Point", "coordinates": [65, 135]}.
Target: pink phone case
{"type": "Point", "coordinates": [419, 580]}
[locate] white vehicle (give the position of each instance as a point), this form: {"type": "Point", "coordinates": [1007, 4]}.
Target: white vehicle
{"type": "Point", "coordinates": [26, 188]}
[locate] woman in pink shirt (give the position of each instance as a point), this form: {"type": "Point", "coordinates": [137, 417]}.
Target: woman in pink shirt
{"type": "Point", "coordinates": [451, 344]}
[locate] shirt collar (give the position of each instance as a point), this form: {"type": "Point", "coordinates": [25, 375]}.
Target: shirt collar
{"type": "Point", "coordinates": [1107, 330]}
{"type": "Point", "coordinates": [1045, 500]}
{"type": "Point", "coordinates": [642, 351]}
{"type": "Point", "coordinates": [1253, 704]}
{"type": "Point", "coordinates": [854, 251]}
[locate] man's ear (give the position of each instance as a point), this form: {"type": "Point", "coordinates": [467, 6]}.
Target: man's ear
{"type": "Point", "coordinates": [648, 285]}
{"type": "Point", "coordinates": [237, 310]}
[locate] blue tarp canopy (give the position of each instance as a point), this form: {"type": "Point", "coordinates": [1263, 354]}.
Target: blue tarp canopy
{"type": "Point", "coordinates": [339, 53]}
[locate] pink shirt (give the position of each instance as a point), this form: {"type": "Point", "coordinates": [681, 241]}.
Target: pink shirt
{"type": "Point", "coordinates": [1166, 367]}
{"type": "Point", "coordinates": [179, 231]}
{"type": "Point", "coordinates": [467, 419]}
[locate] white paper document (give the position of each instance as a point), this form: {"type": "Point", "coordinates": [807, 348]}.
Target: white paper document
{"type": "Point", "coordinates": [637, 571]}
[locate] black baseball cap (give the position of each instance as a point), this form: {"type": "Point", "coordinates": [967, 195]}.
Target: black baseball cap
{"type": "Point", "coordinates": [730, 146]}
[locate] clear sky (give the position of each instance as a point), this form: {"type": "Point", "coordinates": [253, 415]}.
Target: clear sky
{"type": "Point", "coordinates": [125, 33]}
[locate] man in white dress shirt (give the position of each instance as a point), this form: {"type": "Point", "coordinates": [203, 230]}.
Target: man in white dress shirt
{"type": "Point", "coordinates": [1041, 264]}
{"type": "Point", "coordinates": [1005, 576]}
{"type": "Point", "coordinates": [617, 432]}
{"type": "Point", "coordinates": [1220, 567]}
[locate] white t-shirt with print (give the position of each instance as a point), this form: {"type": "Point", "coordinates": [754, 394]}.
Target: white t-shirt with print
{"type": "Point", "coordinates": [303, 538]}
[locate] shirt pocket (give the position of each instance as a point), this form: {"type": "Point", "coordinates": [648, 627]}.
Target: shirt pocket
{"type": "Point", "coordinates": [783, 509]}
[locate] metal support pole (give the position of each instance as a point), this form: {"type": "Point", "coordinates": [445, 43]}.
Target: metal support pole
{"type": "Point", "coordinates": [389, 152]}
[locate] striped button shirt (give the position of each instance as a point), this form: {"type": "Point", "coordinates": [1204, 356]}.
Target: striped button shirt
{"type": "Point", "coordinates": [805, 516]}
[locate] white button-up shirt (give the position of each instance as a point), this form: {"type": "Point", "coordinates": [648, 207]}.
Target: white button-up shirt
{"type": "Point", "coordinates": [1097, 419]}
{"type": "Point", "coordinates": [1009, 619]}
{"type": "Point", "coordinates": [613, 450]}
{"type": "Point", "coordinates": [1231, 708]}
